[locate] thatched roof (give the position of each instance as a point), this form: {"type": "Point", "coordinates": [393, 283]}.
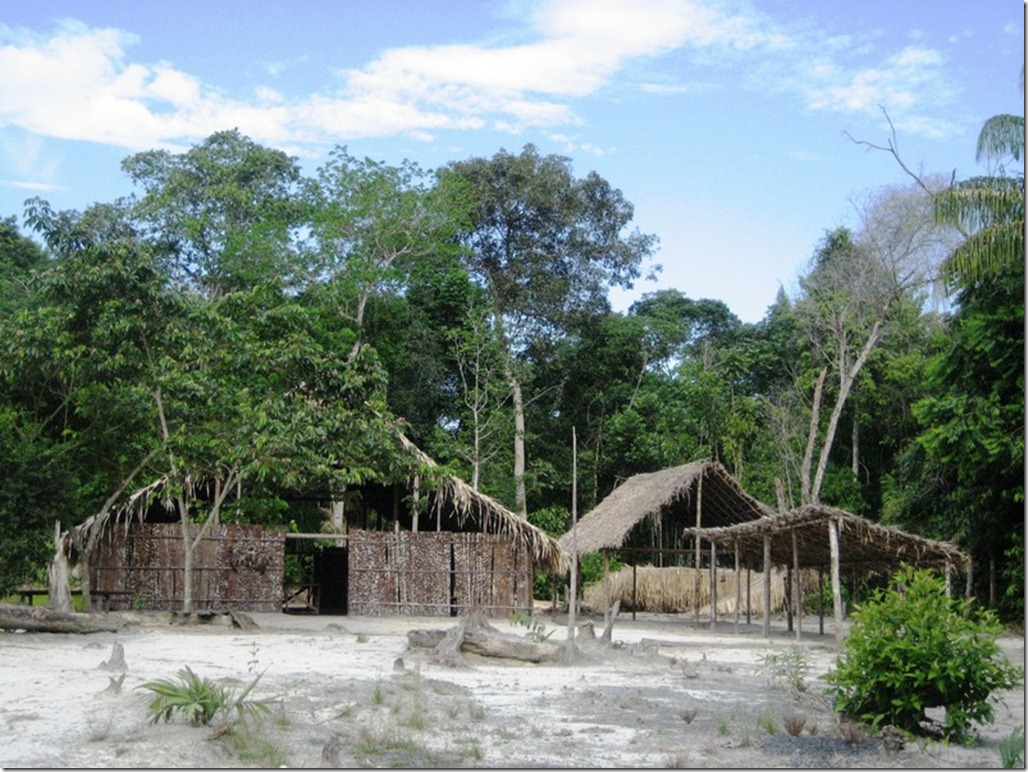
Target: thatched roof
{"type": "Point", "coordinates": [668, 496]}
{"type": "Point", "coordinates": [466, 507]}
{"type": "Point", "coordinates": [863, 544]}
{"type": "Point", "coordinates": [470, 506]}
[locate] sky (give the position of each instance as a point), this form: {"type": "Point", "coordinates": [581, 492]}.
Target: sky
{"type": "Point", "coordinates": [734, 128]}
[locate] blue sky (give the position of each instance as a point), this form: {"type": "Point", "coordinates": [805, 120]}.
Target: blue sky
{"type": "Point", "coordinates": [726, 124]}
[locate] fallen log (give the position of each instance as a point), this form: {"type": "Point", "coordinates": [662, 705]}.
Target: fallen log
{"type": "Point", "coordinates": [38, 619]}
{"type": "Point", "coordinates": [476, 636]}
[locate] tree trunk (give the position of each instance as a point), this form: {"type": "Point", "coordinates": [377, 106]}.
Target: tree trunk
{"type": "Point", "coordinates": [806, 489]}
{"type": "Point", "coordinates": [848, 379]}
{"type": "Point", "coordinates": [520, 499]}
{"type": "Point", "coordinates": [57, 577]}
{"type": "Point", "coordinates": [47, 620]}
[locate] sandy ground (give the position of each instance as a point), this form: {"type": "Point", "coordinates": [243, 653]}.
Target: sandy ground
{"type": "Point", "coordinates": [667, 694]}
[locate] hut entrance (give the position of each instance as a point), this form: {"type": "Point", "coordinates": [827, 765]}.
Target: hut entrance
{"type": "Point", "coordinates": [316, 574]}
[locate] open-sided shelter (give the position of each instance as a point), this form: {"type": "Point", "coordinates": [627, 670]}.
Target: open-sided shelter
{"type": "Point", "coordinates": [699, 510]}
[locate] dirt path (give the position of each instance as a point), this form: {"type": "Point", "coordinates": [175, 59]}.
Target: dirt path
{"type": "Point", "coordinates": [347, 691]}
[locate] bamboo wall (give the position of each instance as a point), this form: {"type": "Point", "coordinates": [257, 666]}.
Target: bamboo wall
{"type": "Point", "coordinates": [437, 574]}
{"type": "Point", "coordinates": [234, 566]}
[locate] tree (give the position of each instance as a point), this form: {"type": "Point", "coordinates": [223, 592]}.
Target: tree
{"type": "Point", "coordinates": [222, 214]}
{"type": "Point", "coordinates": [372, 223]}
{"type": "Point", "coordinates": [910, 648]}
{"type": "Point", "coordinates": [544, 244]}
{"type": "Point", "coordinates": [988, 210]}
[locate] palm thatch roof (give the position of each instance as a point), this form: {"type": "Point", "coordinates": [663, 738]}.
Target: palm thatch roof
{"type": "Point", "coordinates": [469, 509]}
{"type": "Point", "coordinates": [863, 544]}
{"type": "Point", "coordinates": [667, 499]}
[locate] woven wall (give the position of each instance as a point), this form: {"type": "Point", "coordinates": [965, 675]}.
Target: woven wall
{"type": "Point", "coordinates": [437, 574]}
{"type": "Point", "coordinates": [234, 566]}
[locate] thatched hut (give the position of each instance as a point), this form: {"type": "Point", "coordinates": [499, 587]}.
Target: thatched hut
{"type": "Point", "coordinates": [697, 513]}
{"type": "Point", "coordinates": [408, 548]}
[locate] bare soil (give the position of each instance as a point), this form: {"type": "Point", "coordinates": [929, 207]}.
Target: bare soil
{"type": "Point", "coordinates": [349, 692]}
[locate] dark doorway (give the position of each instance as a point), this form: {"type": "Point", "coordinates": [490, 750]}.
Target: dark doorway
{"type": "Point", "coordinates": [330, 574]}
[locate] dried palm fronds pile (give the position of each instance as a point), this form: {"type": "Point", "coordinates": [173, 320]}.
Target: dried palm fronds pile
{"type": "Point", "coordinates": [673, 590]}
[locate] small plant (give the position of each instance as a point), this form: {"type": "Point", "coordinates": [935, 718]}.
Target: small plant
{"type": "Point", "coordinates": [722, 728]}
{"type": "Point", "coordinates": [362, 638]}
{"type": "Point", "coordinates": [794, 723]}
{"type": "Point", "coordinates": [377, 694]}
{"type": "Point", "coordinates": [788, 667]}
{"type": "Point", "coordinates": [253, 662]}
{"type": "Point", "coordinates": [768, 723]}
{"type": "Point", "coordinates": [910, 648]}
{"type": "Point", "coordinates": [198, 699]}
{"type": "Point", "coordinates": [1011, 749]}
{"type": "Point", "coordinates": [536, 629]}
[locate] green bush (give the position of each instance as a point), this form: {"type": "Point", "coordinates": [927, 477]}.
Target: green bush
{"type": "Point", "coordinates": [197, 698]}
{"type": "Point", "coordinates": [911, 648]}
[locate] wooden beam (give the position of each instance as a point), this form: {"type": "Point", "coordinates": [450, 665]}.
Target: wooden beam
{"type": "Point", "coordinates": [698, 547]}
{"type": "Point", "coordinates": [797, 597]}
{"type": "Point", "coordinates": [767, 585]}
{"type": "Point", "coordinates": [713, 586]}
{"type": "Point", "coordinates": [738, 585]}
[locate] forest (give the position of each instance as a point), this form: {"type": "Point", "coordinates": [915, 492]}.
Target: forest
{"type": "Point", "coordinates": [269, 334]}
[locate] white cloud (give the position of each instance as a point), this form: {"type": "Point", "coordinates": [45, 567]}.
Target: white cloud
{"type": "Point", "coordinates": [81, 82]}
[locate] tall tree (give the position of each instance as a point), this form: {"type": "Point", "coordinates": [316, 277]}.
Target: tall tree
{"type": "Point", "coordinates": [223, 213]}
{"type": "Point", "coordinates": [543, 244]}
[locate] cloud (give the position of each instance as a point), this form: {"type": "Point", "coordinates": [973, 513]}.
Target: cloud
{"type": "Point", "coordinates": [82, 83]}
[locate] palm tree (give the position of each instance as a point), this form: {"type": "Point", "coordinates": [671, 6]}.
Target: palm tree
{"type": "Point", "coordinates": [988, 210]}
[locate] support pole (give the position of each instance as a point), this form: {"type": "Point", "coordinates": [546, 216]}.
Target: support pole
{"type": "Point", "coordinates": [797, 597]}
{"type": "Point", "coordinates": [696, 582]}
{"type": "Point", "coordinates": [833, 542]}
{"type": "Point", "coordinates": [948, 573]}
{"type": "Point", "coordinates": [767, 585]}
{"type": "Point", "coordinates": [713, 586]}
{"type": "Point", "coordinates": [749, 608]}
{"type": "Point", "coordinates": [606, 589]}
{"type": "Point", "coordinates": [969, 586]}
{"type": "Point", "coordinates": [820, 600]}
{"type": "Point", "coordinates": [738, 586]}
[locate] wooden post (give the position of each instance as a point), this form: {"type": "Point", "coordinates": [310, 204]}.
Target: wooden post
{"type": "Point", "coordinates": [698, 548]}
{"type": "Point", "coordinates": [738, 586]}
{"type": "Point", "coordinates": [787, 586]}
{"type": "Point", "coordinates": [820, 600]}
{"type": "Point", "coordinates": [767, 585]}
{"type": "Point", "coordinates": [573, 599]}
{"type": "Point", "coordinates": [797, 597]}
{"type": "Point", "coordinates": [713, 586]}
{"type": "Point", "coordinates": [749, 583]}
{"type": "Point", "coordinates": [969, 585]}
{"type": "Point", "coordinates": [606, 589]}
{"type": "Point", "coordinates": [833, 542]}
{"type": "Point", "coordinates": [948, 573]}
{"type": "Point", "coordinates": [634, 585]}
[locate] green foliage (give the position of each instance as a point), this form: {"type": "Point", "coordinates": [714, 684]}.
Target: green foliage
{"type": "Point", "coordinates": [911, 648]}
{"type": "Point", "coordinates": [787, 667]}
{"type": "Point", "coordinates": [1011, 749]}
{"type": "Point", "coordinates": [536, 629]}
{"type": "Point", "coordinates": [198, 699]}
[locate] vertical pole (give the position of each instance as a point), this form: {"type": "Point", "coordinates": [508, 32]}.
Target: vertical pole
{"type": "Point", "coordinates": [606, 589]}
{"type": "Point", "coordinates": [713, 586]}
{"type": "Point", "coordinates": [696, 583]}
{"type": "Point", "coordinates": [767, 584]}
{"type": "Point", "coordinates": [833, 542]}
{"type": "Point", "coordinates": [969, 586]}
{"type": "Point", "coordinates": [634, 586]}
{"type": "Point", "coordinates": [749, 583]}
{"type": "Point", "coordinates": [820, 600]}
{"type": "Point", "coordinates": [738, 586]}
{"type": "Point", "coordinates": [797, 597]}
{"type": "Point", "coordinates": [948, 573]}
{"type": "Point", "coordinates": [573, 600]}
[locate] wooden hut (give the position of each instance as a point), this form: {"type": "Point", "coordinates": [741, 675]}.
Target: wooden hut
{"type": "Point", "coordinates": [444, 550]}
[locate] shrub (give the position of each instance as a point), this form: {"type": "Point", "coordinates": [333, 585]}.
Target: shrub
{"type": "Point", "coordinates": [198, 699]}
{"type": "Point", "coordinates": [910, 648]}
